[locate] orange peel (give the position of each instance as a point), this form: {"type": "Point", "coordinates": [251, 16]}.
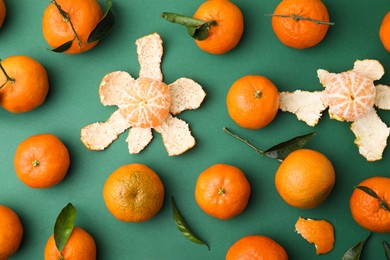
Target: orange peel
{"type": "Point", "coordinates": [318, 232]}
{"type": "Point", "coordinates": [144, 104]}
{"type": "Point", "coordinates": [350, 96]}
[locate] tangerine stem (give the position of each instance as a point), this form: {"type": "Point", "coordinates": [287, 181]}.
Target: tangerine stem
{"type": "Point", "coordinates": [299, 17]}
{"type": "Point", "coordinates": [257, 150]}
{"type": "Point", "coordinates": [221, 191]}
{"type": "Point", "coordinates": [9, 79]}
{"type": "Point", "coordinates": [67, 19]}
{"type": "Point", "coordinates": [36, 163]}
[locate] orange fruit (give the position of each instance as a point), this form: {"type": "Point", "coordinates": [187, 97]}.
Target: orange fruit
{"type": "Point", "coordinates": [146, 104]}
{"type": "Point", "coordinates": [305, 178]}
{"type": "Point", "coordinates": [226, 31]}
{"type": "Point", "coordinates": [11, 232]}
{"type": "Point", "coordinates": [222, 191]}
{"type": "Point", "coordinates": [80, 246]}
{"type": "Point", "coordinates": [133, 193]}
{"type": "Point", "coordinates": [3, 12]}
{"type": "Point", "coordinates": [300, 24]}
{"type": "Point", "coordinates": [319, 232]}
{"type": "Point", "coordinates": [384, 32]}
{"type": "Point", "coordinates": [25, 84]}
{"type": "Point", "coordinates": [369, 212]}
{"type": "Point", "coordinates": [256, 247]}
{"type": "Point", "coordinates": [253, 101]}
{"type": "Point", "coordinates": [41, 161]}
{"type": "Point", "coordinates": [350, 96]}
{"type": "Point", "coordinates": [83, 16]}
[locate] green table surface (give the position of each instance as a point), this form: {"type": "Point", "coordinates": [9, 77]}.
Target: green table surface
{"type": "Point", "coordinates": [73, 102]}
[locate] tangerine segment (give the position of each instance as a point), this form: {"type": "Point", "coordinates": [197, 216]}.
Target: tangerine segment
{"type": "Point", "coordinates": [146, 104]}
{"type": "Point", "coordinates": [227, 30]}
{"type": "Point", "coordinates": [350, 96]}
{"type": "Point", "coordinates": [366, 210]}
{"type": "Point", "coordinates": [319, 232]}
{"type": "Point", "coordinates": [84, 15]}
{"type": "Point", "coordinates": [298, 33]}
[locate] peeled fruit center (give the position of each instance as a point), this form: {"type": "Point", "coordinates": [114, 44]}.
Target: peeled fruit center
{"type": "Point", "coordinates": [146, 104]}
{"type": "Point", "coordinates": [350, 96]}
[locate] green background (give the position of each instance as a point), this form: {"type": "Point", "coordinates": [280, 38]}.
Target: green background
{"type": "Point", "coordinates": [73, 102]}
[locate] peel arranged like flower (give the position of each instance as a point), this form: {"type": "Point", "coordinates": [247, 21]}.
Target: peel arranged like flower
{"type": "Point", "coordinates": [350, 96]}
{"type": "Point", "coordinates": [144, 104]}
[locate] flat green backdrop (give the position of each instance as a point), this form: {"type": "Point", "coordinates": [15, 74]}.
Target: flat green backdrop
{"type": "Point", "coordinates": [73, 102]}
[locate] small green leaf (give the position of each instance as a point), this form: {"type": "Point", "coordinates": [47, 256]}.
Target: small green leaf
{"type": "Point", "coordinates": [202, 32]}
{"type": "Point", "coordinates": [64, 226]}
{"type": "Point", "coordinates": [183, 227]}
{"type": "Point", "coordinates": [63, 47]}
{"type": "Point", "coordinates": [105, 25]}
{"type": "Point", "coordinates": [382, 202]}
{"type": "Point", "coordinates": [282, 150]}
{"type": "Point", "coordinates": [354, 252]}
{"type": "Point", "coordinates": [387, 249]}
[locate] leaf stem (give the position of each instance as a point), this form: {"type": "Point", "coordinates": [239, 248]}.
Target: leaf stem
{"type": "Point", "coordinates": [67, 19]}
{"type": "Point", "coordinates": [297, 18]}
{"type": "Point", "coordinates": [257, 150]}
{"type": "Point", "coordinates": [382, 201]}
{"type": "Point", "coordinates": [8, 78]}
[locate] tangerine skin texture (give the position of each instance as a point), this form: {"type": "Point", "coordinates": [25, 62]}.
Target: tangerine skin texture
{"type": "Point", "coordinates": [384, 32]}
{"type": "Point", "coordinates": [3, 12]}
{"type": "Point", "coordinates": [85, 15]}
{"type": "Point", "coordinates": [305, 178]}
{"type": "Point", "coordinates": [52, 157]}
{"type": "Point", "coordinates": [30, 87]}
{"type": "Point", "coordinates": [300, 34]}
{"type": "Point", "coordinates": [234, 186]}
{"type": "Point", "coordinates": [247, 109]}
{"type": "Point", "coordinates": [256, 247]}
{"type": "Point", "coordinates": [80, 246]}
{"type": "Point", "coordinates": [133, 193]}
{"type": "Point", "coordinates": [11, 232]}
{"type": "Point", "coordinates": [224, 36]}
{"type": "Point", "coordinates": [366, 210]}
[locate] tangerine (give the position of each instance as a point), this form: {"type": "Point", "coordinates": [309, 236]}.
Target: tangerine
{"type": "Point", "coordinates": [384, 30]}
{"type": "Point", "coordinates": [256, 247]}
{"type": "Point", "coordinates": [24, 84]}
{"type": "Point", "coordinates": [253, 101]}
{"type": "Point", "coordinates": [82, 17]}
{"type": "Point", "coordinates": [11, 232]}
{"type": "Point", "coordinates": [222, 191]}
{"type": "Point", "coordinates": [133, 193]}
{"type": "Point", "coordinates": [146, 104]}
{"type": "Point", "coordinates": [372, 211]}
{"type": "Point", "coordinates": [41, 161]}
{"type": "Point", "coordinates": [3, 12]}
{"type": "Point", "coordinates": [300, 24]}
{"type": "Point", "coordinates": [227, 28]}
{"type": "Point", "coordinates": [80, 246]}
{"type": "Point", "coordinates": [305, 178]}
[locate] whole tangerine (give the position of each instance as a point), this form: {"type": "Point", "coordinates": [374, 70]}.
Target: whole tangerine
{"type": "Point", "coordinates": [222, 191]}
{"type": "Point", "coordinates": [3, 12]}
{"type": "Point", "coordinates": [11, 232]}
{"type": "Point", "coordinates": [384, 32]}
{"type": "Point", "coordinates": [253, 101]}
{"type": "Point", "coordinates": [305, 178]}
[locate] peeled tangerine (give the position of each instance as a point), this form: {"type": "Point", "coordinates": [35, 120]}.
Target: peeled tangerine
{"type": "Point", "coordinates": [319, 232]}
{"type": "Point", "coordinates": [350, 96]}
{"type": "Point", "coordinates": [144, 104]}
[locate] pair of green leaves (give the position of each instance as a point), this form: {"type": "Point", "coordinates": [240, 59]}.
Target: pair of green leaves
{"type": "Point", "coordinates": [354, 252]}
{"type": "Point", "coordinates": [102, 29]}
{"type": "Point", "coordinates": [183, 227]}
{"type": "Point", "coordinates": [279, 151]}
{"type": "Point", "coordinates": [196, 28]}
{"type": "Point", "coordinates": [64, 225]}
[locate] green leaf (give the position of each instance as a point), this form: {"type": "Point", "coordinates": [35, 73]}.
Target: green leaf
{"type": "Point", "coordinates": [202, 32]}
{"type": "Point", "coordinates": [387, 249]}
{"type": "Point", "coordinates": [183, 227]}
{"type": "Point", "coordinates": [354, 252]}
{"type": "Point", "coordinates": [64, 226]}
{"type": "Point", "coordinates": [63, 47]}
{"type": "Point", "coordinates": [105, 25]}
{"type": "Point", "coordinates": [282, 150]}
